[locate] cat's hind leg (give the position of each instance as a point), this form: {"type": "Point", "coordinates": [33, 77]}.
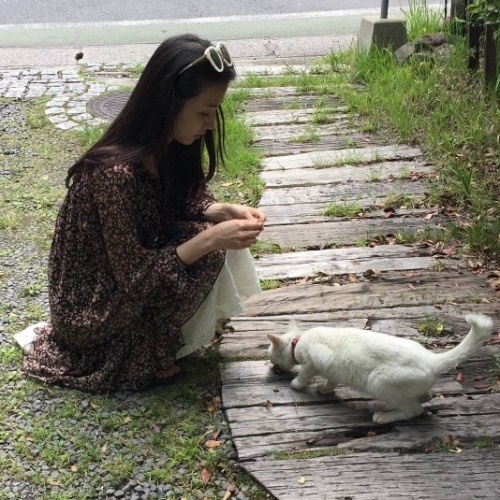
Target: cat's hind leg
{"type": "Point", "coordinates": [327, 387]}
{"type": "Point", "coordinates": [405, 411]}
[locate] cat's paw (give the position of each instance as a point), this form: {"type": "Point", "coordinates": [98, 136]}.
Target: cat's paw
{"type": "Point", "coordinates": [296, 384]}
{"type": "Point", "coordinates": [325, 388]}
{"type": "Point", "coordinates": [383, 417]}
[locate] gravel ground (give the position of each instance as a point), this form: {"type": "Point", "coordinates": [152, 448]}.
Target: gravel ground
{"type": "Point", "coordinates": [62, 444]}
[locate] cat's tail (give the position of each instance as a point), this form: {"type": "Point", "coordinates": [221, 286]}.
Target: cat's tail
{"type": "Point", "coordinates": [480, 332]}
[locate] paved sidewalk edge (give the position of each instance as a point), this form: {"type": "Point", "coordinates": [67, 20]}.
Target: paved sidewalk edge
{"type": "Point", "coordinates": [267, 51]}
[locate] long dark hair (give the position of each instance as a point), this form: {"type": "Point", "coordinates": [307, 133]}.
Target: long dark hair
{"type": "Point", "coordinates": [145, 123]}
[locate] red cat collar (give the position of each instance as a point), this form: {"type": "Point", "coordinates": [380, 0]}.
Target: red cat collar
{"type": "Point", "coordinates": [294, 344]}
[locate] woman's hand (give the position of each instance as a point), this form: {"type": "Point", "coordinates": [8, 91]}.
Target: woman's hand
{"type": "Point", "coordinates": [219, 212]}
{"type": "Point", "coordinates": [236, 234]}
{"type": "Point", "coordinates": [236, 227]}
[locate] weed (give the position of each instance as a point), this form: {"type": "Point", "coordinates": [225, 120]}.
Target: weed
{"type": "Point", "coordinates": [404, 172]}
{"type": "Point", "coordinates": [496, 363]}
{"type": "Point", "coordinates": [136, 70]}
{"type": "Point", "coordinates": [88, 134]}
{"type": "Point", "coordinates": [431, 326]}
{"type": "Point", "coordinates": [345, 209]}
{"type": "Point", "coordinates": [309, 136]}
{"type": "Point", "coordinates": [262, 247]}
{"type": "Point", "coordinates": [422, 19]}
{"type": "Point", "coordinates": [401, 200]}
{"type": "Point", "coordinates": [375, 174]}
{"type": "Point", "coordinates": [270, 284]}
{"type": "Point", "coordinates": [33, 289]}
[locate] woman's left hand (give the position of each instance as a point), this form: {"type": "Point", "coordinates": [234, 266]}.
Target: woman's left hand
{"type": "Point", "coordinates": [219, 212]}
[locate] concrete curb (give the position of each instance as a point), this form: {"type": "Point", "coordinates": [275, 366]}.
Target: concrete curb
{"type": "Point", "coordinates": [266, 50]}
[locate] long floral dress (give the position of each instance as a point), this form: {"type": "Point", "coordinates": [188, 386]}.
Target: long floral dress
{"type": "Point", "coordinates": [118, 299]}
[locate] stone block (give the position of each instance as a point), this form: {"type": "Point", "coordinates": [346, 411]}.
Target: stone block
{"type": "Point", "coordinates": [381, 33]}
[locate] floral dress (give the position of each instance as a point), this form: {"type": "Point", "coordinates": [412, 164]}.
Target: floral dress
{"type": "Point", "coordinates": [118, 292]}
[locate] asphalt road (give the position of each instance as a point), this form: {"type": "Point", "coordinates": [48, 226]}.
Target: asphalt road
{"type": "Point", "coordinates": [21, 12]}
{"type": "Point", "coordinates": [65, 23]}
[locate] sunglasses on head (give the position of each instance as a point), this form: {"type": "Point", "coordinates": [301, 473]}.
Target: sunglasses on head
{"type": "Point", "coordinates": [217, 56]}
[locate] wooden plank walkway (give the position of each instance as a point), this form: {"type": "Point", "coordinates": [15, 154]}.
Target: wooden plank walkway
{"type": "Point", "coordinates": [351, 271]}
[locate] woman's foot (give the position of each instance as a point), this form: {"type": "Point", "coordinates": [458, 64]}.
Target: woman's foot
{"type": "Point", "coordinates": [166, 373]}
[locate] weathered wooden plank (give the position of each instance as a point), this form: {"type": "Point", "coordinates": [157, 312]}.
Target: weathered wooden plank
{"type": "Point", "coordinates": [349, 232]}
{"type": "Point", "coordinates": [354, 431]}
{"type": "Point", "coordinates": [283, 133]}
{"type": "Point", "coordinates": [311, 176]}
{"type": "Point", "coordinates": [341, 190]}
{"type": "Point", "coordinates": [334, 263]}
{"type": "Point", "coordinates": [351, 156]}
{"type": "Point", "coordinates": [289, 101]}
{"type": "Point", "coordinates": [281, 116]}
{"type": "Point", "coordinates": [252, 383]}
{"type": "Point", "coordinates": [265, 429]}
{"type": "Point", "coordinates": [383, 476]}
{"type": "Point", "coordinates": [391, 290]}
{"type": "Point", "coordinates": [280, 148]}
{"type": "Point", "coordinates": [262, 93]}
{"type": "Point", "coordinates": [401, 320]}
{"type": "Point", "coordinates": [308, 213]}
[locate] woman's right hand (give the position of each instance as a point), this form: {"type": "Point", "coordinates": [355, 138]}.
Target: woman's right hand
{"type": "Point", "coordinates": [236, 234]}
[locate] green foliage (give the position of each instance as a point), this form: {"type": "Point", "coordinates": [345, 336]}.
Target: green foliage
{"type": "Point", "coordinates": [486, 11]}
{"type": "Point", "coordinates": [422, 19]}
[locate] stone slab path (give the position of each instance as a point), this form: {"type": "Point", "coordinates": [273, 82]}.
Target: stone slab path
{"type": "Point", "coordinates": [358, 270]}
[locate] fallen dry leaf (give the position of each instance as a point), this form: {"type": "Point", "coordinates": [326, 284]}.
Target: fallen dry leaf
{"type": "Point", "coordinates": [205, 476]}
{"type": "Point", "coordinates": [428, 448]}
{"type": "Point", "coordinates": [482, 386]}
{"type": "Point", "coordinates": [268, 405]}
{"type": "Point", "coordinates": [231, 488]}
{"type": "Point", "coordinates": [411, 286]}
{"type": "Point", "coordinates": [448, 439]}
{"type": "Point", "coordinates": [212, 443]}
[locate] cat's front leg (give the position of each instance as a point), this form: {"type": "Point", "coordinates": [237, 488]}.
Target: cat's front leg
{"type": "Point", "coordinates": [327, 388]}
{"type": "Point", "coordinates": [303, 378]}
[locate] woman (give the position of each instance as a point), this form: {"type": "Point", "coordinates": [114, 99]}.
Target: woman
{"type": "Point", "coordinates": [139, 243]}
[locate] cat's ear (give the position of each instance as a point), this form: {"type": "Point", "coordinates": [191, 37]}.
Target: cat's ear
{"type": "Point", "coordinates": [275, 341]}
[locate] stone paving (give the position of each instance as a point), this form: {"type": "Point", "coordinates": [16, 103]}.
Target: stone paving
{"type": "Point", "coordinates": [71, 90]}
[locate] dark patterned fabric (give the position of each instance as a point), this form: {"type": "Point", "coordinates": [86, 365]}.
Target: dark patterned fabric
{"type": "Point", "coordinates": [118, 292]}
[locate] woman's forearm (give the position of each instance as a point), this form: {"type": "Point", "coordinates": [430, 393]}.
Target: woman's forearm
{"type": "Point", "coordinates": [195, 248]}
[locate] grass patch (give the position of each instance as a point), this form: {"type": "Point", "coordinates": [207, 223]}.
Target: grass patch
{"type": "Point", "coordinates": [71, 444]}
{"type": "Point", "coordinates": [449, 113]}
{"type": "Point", "coordinates": [343, 209]}
{"type": "Point", "coordinates": [309, 136]}
{"type": "Point", "coordinates": [431, 326]}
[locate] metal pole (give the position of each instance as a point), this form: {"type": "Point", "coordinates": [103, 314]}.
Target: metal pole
{"type": "Point", "coordinates": [385, 9]}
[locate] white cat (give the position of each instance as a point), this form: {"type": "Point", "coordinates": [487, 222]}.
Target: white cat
{"type": "Point", "coordinates": [395, 370]}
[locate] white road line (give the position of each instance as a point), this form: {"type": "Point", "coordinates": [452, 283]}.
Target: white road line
{"type": "Point", "coordinates": [199, 20]}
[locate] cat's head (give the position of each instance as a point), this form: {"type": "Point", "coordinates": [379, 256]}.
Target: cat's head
{"type": "Point", "coordinates": [280, 350]}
